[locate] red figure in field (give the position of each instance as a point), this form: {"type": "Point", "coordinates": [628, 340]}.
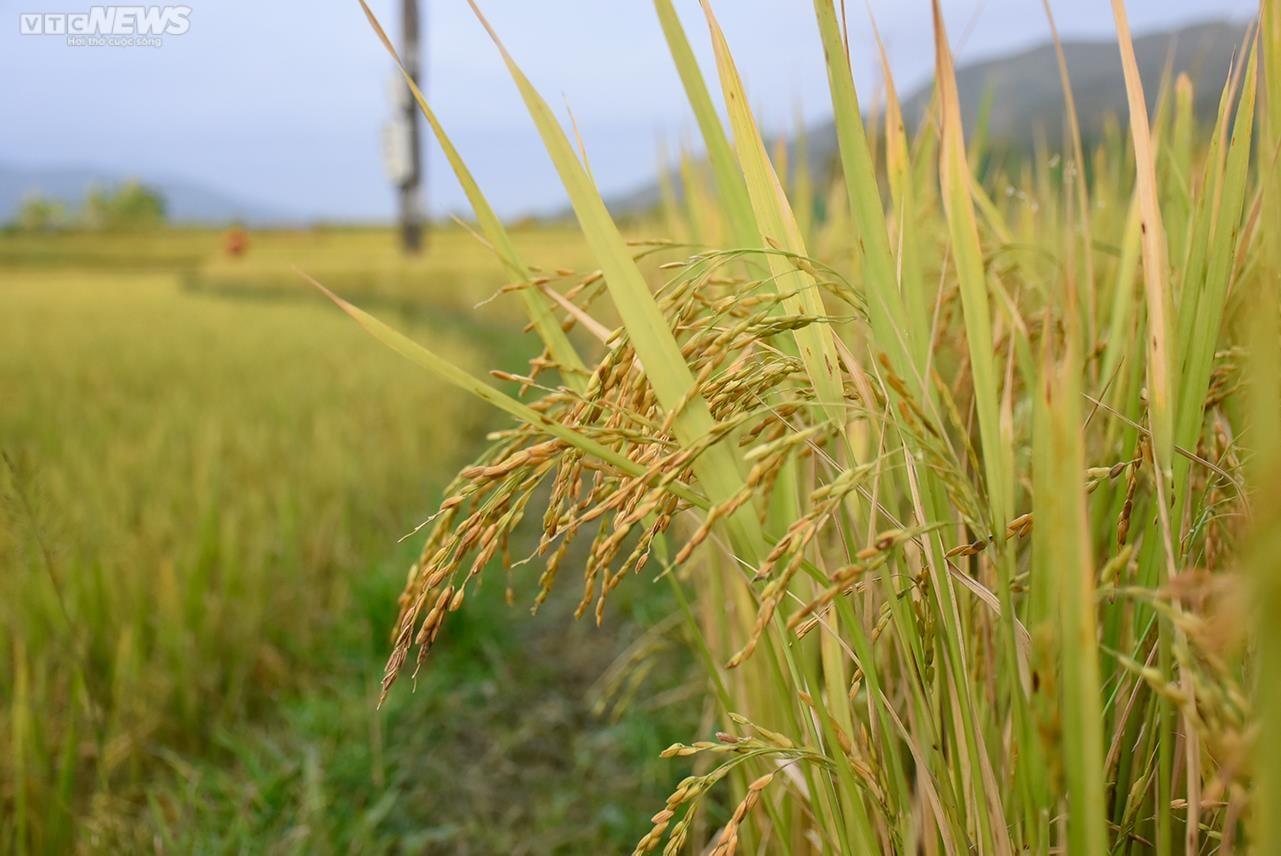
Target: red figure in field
{"type": "Point", "coordinates": [236, 243]}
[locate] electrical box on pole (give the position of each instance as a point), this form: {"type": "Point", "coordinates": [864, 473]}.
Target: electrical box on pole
{"type": "Point", "coordinates": [402, 145]}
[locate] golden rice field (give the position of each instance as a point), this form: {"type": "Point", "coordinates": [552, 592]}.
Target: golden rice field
{"type": "Point", "coordinates": [928, 500]}
{"type": "Point", "coordinates": [206, 472]}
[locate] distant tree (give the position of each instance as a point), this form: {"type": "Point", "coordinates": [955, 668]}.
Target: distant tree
{"type": "Point", "coordinates": [41, 214]}
{"type": "Point", "coordinates": [130, 207]}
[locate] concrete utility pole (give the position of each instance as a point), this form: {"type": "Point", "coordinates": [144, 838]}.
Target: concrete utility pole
{"type": "Point", "coordinates": [411, 177]}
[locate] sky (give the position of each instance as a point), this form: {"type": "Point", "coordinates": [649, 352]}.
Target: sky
{"type": "Point", "coordinates": [282, 102]}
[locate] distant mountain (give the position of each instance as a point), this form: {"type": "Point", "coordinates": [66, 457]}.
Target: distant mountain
{"type": "Point", "coordinates": [188, 201]}
{"type": "Point", "coordinates": [1027, 98]}
{"type": "Point", "coordinates": [1027, 95]}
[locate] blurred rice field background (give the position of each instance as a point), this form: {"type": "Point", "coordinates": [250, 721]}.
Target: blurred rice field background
{"type": "Point", "coordinates": [206, 473]}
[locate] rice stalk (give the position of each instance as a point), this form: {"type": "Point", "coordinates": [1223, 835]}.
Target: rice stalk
{"type": "Point", "coordinates": [956, 517]}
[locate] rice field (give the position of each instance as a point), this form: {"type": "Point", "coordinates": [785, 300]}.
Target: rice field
{"type": "Point", "coordinates": [922, 504]}
{"type": "Point", "coordinates": [206, 473]}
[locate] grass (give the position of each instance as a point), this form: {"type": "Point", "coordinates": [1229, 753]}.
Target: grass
{"type": "Point", "coordinates": [495, 752]}
{"type": "Point", "coordinates": [205, 474]}
{"type": "Point", "coordinates": [955, 485]}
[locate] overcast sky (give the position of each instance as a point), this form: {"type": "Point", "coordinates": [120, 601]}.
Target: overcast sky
{"type": "Point", "coordinates": [282, 101]}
